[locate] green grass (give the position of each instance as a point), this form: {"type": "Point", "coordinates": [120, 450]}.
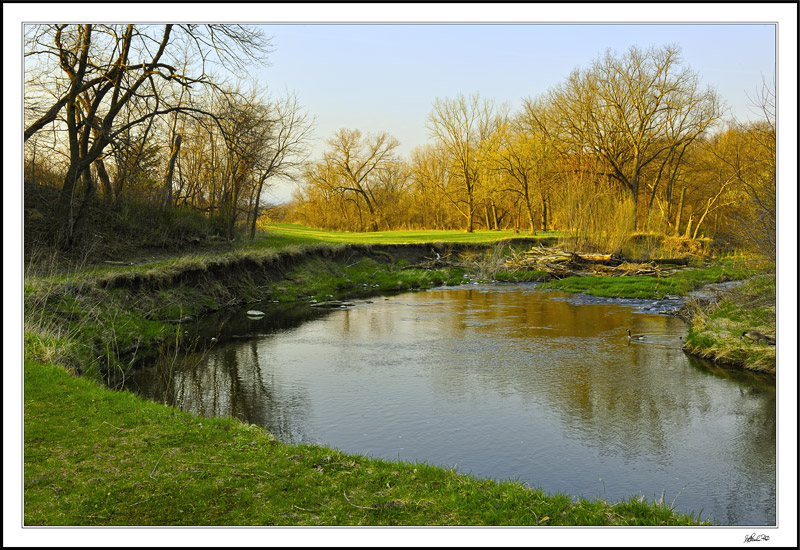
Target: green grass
{"type": "Point", "coordinates": [319, 279]}
{"type": "Point", "coordinates": [716, 327]}
{"type": "Point", "coordinates": [650, 287]}
{"type": "Point", "coordinates": [98, 457]}
{"type": "Point", "coordinates": [298, 234]}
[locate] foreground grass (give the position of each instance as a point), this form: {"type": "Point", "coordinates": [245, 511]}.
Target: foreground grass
{"type": "Point", "coordinates": [98, 457]}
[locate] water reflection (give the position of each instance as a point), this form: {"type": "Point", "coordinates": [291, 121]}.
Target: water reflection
{"type": "Point", "coordinates": [506, 382]}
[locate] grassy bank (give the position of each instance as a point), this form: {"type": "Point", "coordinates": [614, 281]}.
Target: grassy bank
{"type": "Point", "coordinates": [680, 283]}
{"type": "Point", "coordinates": [717, 326]}
{"type": "Point", "coordinates": [99, 457]}
{"type": "Point", "coordinates": [299, 234]}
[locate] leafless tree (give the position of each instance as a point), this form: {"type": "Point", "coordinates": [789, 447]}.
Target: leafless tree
{"type": "Point", "coordinates": [91, 74]}
{"type": "Point", "coordinates": [464, 126]}
{"type": "Point", "coordinates": [351, 166]}
{"type": "Point", "coordinates": [632, 111]}
{"type": "Point", "coordinates": [285, 150]}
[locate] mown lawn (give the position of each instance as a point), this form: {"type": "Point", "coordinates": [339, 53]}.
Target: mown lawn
{"type": "Point", "coordinates": [299, 234]}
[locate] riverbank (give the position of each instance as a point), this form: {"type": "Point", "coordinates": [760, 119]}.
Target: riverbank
{"type": "Point", "coordinates": [98, 457]}
{"type": "Point", "coordinates": [106, 318]}
{"type": "Point", "coordinates": [719, 323]}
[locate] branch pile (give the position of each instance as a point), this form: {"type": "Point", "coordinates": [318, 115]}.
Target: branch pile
{"type": "Point", "coordinates": [559, 263]}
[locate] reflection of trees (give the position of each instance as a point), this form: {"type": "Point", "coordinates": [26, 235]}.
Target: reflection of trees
{"type": "Point", "coordinates": [621, 399]}
{"type": "Point", "coordinates": [226, 324]}
{"type": "Point", "coordinates": [231, 381]}
{"type": "Point", "coordinates": [752, 449]}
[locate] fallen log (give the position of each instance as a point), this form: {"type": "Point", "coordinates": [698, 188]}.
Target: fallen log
{"type": "Point", "coordinates": [663, 261]}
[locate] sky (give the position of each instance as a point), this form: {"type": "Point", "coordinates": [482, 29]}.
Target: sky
{"type": "Point", "coordinates": [386, 78]}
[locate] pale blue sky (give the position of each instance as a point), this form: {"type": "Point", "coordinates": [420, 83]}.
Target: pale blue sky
{"type": "Point", "coordinates": [385, 77]}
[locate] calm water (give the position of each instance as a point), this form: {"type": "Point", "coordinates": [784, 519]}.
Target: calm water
{"type": "Point", "coordinates": [507, 382]}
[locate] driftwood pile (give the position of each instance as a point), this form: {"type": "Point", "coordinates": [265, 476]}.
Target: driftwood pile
{"type": "Point", "coordinates": [559, 263]}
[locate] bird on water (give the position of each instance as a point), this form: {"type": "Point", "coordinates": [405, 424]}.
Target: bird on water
{"type": "Point", "coordinates": [636, 337]}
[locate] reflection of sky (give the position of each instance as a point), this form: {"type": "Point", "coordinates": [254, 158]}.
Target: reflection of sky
{"type": "Point", "coordinates": [510, 384]}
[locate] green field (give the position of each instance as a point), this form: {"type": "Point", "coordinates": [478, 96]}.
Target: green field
{"type": "Point", "coordinates": [299, 234]}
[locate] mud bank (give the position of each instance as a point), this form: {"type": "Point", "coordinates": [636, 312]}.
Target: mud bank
{"type": "Point", "coordinates": [271, 265]}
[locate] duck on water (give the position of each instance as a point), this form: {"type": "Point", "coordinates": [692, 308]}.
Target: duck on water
{"type": "Point", "coordinates": [634, 337]}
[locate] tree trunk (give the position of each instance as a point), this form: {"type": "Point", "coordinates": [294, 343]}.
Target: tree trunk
{"type": "Point", "coordinates": [486, 216]}
{"type": "Point", "coordinates": [255, 207]}
{"type": "Point", "coordinates": [232, 213]}
{"type": "Point", "coordinates": [88, 195]}
{"type": "Point", "coordinates": [373, 223]}
{"type": "Point", "coordinates": [167, 199]}
{"type": "Point", "coordinates": [470, 214]}
{"type": "Point", "coordinates": [531, 215]}
{"type": "Point", "coordinates": [544, 214]}
{"type": "Point", "coordinates": [680, 212]}
{"type": "Point", "coordinates": [64, 211]}
{"type": "Point", "coordinates": [635, 191]}
{"type": "Point", "coordinates": [102, 174]}
{"type": "Point", "coordinates": [702, 218]}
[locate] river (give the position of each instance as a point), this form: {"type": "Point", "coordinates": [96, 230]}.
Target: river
{"type": "Point", "coordinates": [501, 381]}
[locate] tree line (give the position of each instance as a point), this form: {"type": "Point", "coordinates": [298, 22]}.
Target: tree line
{"type": "Point", "coordinates": [632, 142]}
{"type": "Point", "coordinates": [123, 113]}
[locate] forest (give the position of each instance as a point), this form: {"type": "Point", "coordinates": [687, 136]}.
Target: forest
{"type": "Point", "coordinates": [134, 118]}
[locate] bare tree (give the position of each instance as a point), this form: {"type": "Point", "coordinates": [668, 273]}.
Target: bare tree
{"type": "Point", "coordinates": [752, 162]}
{"type": "Point", "coordinates": [524, 156]}
{"type": "Point", "coordinates": [464, 126]}
{"type": "Point", "coordinates": [97, 71]}
{"type": "Point", "coordinates": [633, 110]}
{"type": "Point", "coordinates": [285, 149]}
{"type": "Point", "coordinates": [430, 177]}
{"type": "Point", "coordinates": [351, 166]}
